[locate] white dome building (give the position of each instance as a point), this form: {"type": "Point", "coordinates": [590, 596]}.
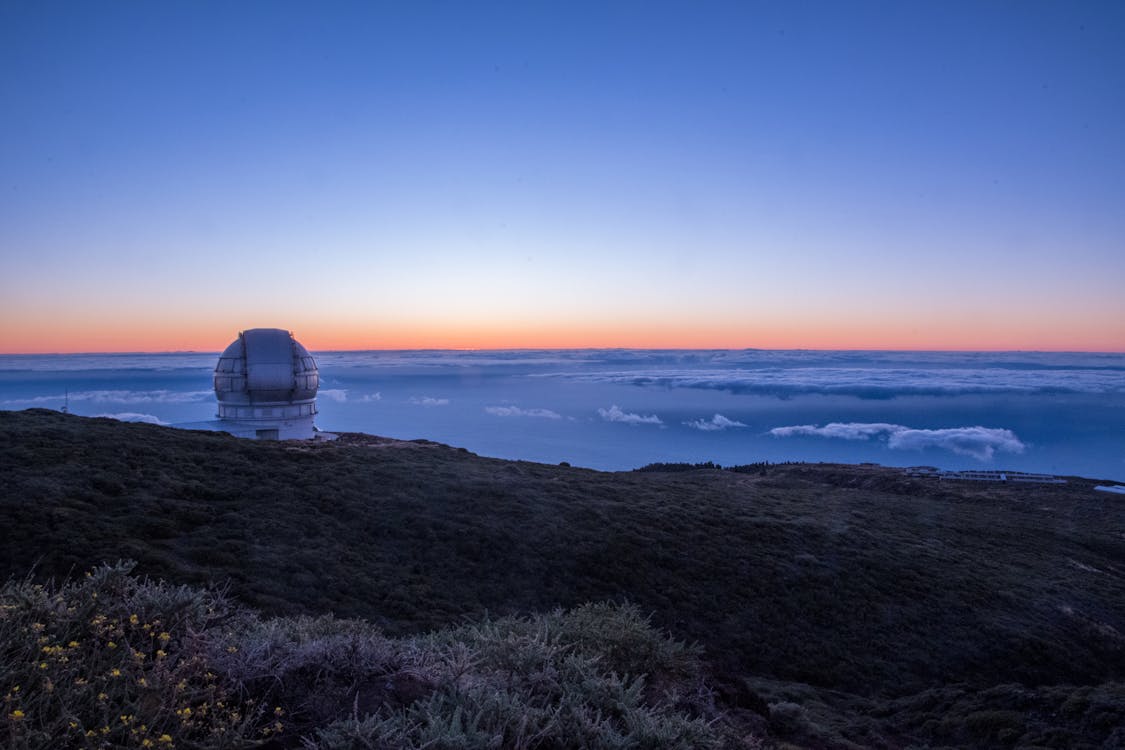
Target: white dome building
{"type": "Point", "coordinates": [266, 384]}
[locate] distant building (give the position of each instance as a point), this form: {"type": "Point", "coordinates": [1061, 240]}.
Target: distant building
{"type": "Point", "coordinates": [984, 476]}
{"type": "Point", "coordinates": [266, 384]}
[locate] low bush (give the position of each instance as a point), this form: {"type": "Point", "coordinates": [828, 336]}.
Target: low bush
{"type": "Point", "coordinates": [112, 660]}
{"type": "Point", "coordinates": [543, 682]}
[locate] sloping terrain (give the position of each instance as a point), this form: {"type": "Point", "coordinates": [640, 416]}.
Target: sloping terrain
{"type": "Point", "coordinates": [838, 590]}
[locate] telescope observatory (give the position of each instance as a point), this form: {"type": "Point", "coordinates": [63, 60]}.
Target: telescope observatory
{"type": "Point", "coordinates": [266, 383]}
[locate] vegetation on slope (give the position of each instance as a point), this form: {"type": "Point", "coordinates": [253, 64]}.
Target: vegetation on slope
{"type": "Point", "coordinates": [115, 661]}
{"type": "Point", "coordinates": [875, 604]}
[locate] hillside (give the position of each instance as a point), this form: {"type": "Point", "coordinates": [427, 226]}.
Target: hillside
{"type": "Point", "coordinates": [868, 605]}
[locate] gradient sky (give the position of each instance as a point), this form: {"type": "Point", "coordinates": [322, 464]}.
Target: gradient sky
{"type": "Point", "coordinates": [946, 175]}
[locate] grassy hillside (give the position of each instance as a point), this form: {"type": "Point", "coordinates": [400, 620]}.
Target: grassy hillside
{"type": "Point", "coordinates": [839, 591]}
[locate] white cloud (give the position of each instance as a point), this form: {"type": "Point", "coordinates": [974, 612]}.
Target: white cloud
{"type": "Point", "coordinates": [429, 401]}
{"type": "Point", "coordinates": [841, 430]}
{"type": "Point", "coordinates": [369, 397]}
{"type": "Point", "coordinates": [981, 443]}
{"type": "Point", "coordinates": [120, 397]}
{"type": "Point", "coordinates": [615, 414]}
{"type": "Point", "coordinates": [336, 394]}
{"type": "Point", "coordinates": [515, 411]}
{"type": "Point", "coordinates": [52, 400]}
{"type": "Point", "coordinates": [717, 422]}
{"type": "Point", "coordinates": [132, 416]}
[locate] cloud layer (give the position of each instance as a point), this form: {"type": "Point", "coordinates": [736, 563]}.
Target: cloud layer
{"type": "Point", "coordinates": [615, 414]}
{"type": "Point", "coordinates": [131, 416]}
{"type": "Point", "coordinates": [120, 397]}
{"type": "Point", "coordinates": [429, 401]}
{"type": "Point", "coordinates": [981, 443]}
{"type": "Point", "coordinates": [515, 411]}
{"type": "Point", "coordinates": [714, 424]}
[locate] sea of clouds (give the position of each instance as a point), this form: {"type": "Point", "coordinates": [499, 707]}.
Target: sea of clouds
{"type": "Point", "coordinates": [619, 409]}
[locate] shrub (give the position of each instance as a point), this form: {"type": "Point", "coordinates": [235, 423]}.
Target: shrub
{"type": "Point", "coordinates": [543, 682]}
{"type": "Point", "coordinates": [112, 660]}
{"type": "Point", "coordinates": [312, 668]}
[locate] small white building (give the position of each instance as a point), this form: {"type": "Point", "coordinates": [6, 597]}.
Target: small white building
{"type": "Point", "coordinates": [266, 384]}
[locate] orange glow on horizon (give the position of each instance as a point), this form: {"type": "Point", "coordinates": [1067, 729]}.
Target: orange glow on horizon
{"type": "Point", "coordinates": [159, 336]}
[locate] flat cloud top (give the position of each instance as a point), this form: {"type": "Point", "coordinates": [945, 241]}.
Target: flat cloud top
{"type": "Point", "coordinates": [616, 414]}
{"type": "Point", "coordinates": [714, 424]}
{"type": "Point", "coordinates": [119, 397]}
{"type": "Point", "coordinates": [132, 416]}
{"type": "Point", "coordinates": [515, 411]}
{"type": "Point", "coordinates": [429, 401]}
{"type": "Point", "coordinates": [981, 443]}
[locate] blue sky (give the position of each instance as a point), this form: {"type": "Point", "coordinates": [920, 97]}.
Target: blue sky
{"type": "Point", "coordinates": [855, 175]}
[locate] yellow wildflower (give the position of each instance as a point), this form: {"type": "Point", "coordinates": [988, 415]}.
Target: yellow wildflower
{"type": "Point", "coordinates": [111, 644]}
{"type": "Point", "coordinates": [115, 672]}
{"type": "Point", "coordinates": [16, 715]}
{"type": "Point", "coordinates": [232, 649]}
{"type": "Point", "coordinates": [133, 619]}
{"type": "Point", "coordinates": [165, 739]}
{"type": "Point", "coordinates": [73, 644]}
{"type": "Point", "coordinates": [164, 637]}
{"type": "Point", "coordinates": [146, 742]}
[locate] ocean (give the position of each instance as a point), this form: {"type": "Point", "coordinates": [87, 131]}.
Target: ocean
{"type": "Point", "coordinates": [1059, 413]}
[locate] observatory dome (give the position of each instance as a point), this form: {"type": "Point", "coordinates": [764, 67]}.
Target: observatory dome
{"type": "Point", "coordinates": [268, 381]}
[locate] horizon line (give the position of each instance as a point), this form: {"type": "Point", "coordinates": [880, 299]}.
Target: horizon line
{"type": "Point", "coordinates": [919, 350]}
